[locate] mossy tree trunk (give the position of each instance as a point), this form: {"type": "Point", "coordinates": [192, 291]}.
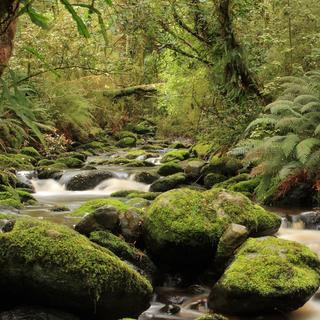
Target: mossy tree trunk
{"type": "Point", "coordinates": [236, 70]}
{"type": "Point", "coordinates": [8, 11]}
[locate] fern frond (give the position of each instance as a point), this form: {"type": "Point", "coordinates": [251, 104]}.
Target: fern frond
{"type": "Point", "coordinates": [289, 143]}
{"type": "Point", "coordinates": [262, 121]}
{"type": "Point", "coordinates": [289, 169]}
{"type": "Point", "coordinates": [305, 99]}
{"type": "Point", "coordinates": [304, 148]}
{"type": "Point", "coordinates": [311, 107]}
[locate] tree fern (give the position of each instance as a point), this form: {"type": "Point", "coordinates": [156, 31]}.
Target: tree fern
{"type": "Point", "coordinates": [294, 146]}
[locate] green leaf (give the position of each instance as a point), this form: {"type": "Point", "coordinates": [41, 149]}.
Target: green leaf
{"type": "Point", "coordinates": [37, 18]}
{"type": "Point", "coordinates": [83, 30]}
{"type": "Point", "coordinates": [289, 143]}
{"type": "Point", "coordinates": [261, 121]}
{"type": "Point", "coordinates": [304, 148]}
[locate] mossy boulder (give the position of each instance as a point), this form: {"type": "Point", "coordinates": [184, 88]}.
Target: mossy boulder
{"type": "Point", "coordinates": [126, 220]}
{"type": "Point", "coordinates": [133, 154]}
{"type": "Point", "coordinates": [226, 166]}
{"type": "Point", "coordinates": [46, 264]}
{"type": "Point", "coordinates": [169, 168]}
{"type": "Point", "coordinates": [138, 202]}
{"type": "Point", "coordinates": [88, 179]}
{"type": "Point", "coordinates": [267, 275]}
{"type": "Point", "coordinates": [8, 178]}
{"type": "Point", "coordinates": [125, 134]}
{"type": "Point", "coordinates": [246, 187]}
{"type": "Point", "coordinates": [127, 142]}
{"type": "Point", "coordinates": [91, 206]}
{"type": "Point", "coordinates": [184, 223]}
{"type": "Point", "coordinates": [145, 127]}
{"type": "Point", "coordinates": [179, 155]}
{"type": "Point", "coordinates": [54, 171]}
{"type": "Point", "coordinates": [45, 162]}
{"type": "Point", "coordinates": [213, 178]}
{"type": "Point", "coordinates": [202, 150]}
{"type": "Point", "coordinates": [147, 177]}
{"type": "Point", "coordinates": [32, 152]}
{"type": "Point", "coordinates": [125, 252]}
{"type": "Point", "coordinates": [145, 195]}
{"type": "Point", "coordinates": [70, 162]}
{"type": "Point", "coordinates": [167, 183]}
{"type": "Point", "coordinates": [193, 168]}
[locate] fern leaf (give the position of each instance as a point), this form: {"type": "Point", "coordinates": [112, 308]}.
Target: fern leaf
{"type": "Point", "coordinates": [311, 107]}
{"type": "Point", "coordinates": [305, 98]}
{"type": "Point", "coordinates": [261, 121]}
{"type": "Point", "coordinates": [289, 169]}
{"type": "Point", "coordinates": [289, 143]}
{"type": "Point", "coordinates": [304, 148]}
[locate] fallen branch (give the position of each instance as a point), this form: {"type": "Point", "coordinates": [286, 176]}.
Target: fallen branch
{"type": "Point", "coordinates": [139, 90]}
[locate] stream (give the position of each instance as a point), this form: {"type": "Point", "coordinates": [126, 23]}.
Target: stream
{"type": "Point", "coordinates": [169, 302]}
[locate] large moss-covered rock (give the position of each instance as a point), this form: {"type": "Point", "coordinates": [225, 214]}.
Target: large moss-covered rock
{"type": "Point", "coordinates": [145, 127]}
{"type": "Point", "coordinates": [146, 177]}
{"type": "Point", "coordinates": [183, 226]}
{"type": "Point", "coordinates": [169, 168]}
{"type": "Point", "coordinates": [193, 168]}
{"type": "Point", "coordinates": [70, 162]}
{"type": "Point", "coordinates": [51, 265]}
{"type": "Point", "coordinates": [180, 155]}
{"type": "Point", "coordinates": [125, 252]}
{"type": "Point", "coordinates": [213, 178]}
{"type": "Point", "coordinates": [109, 214]}
{"type": "Point", "coordinates": [226, 166]}
{"type": "Point", "coordinates": [168, 183]}
{"type": "Point", "coordinates": [88, 179]}
{"type": "Point", "coordinates": [267, 274]}
{"type": "Point", "coordinates": [202, 150]}
{"type": "Point", "coordinates": [127, 142]}
{"type": "Point", "coordinates": [16, 161]}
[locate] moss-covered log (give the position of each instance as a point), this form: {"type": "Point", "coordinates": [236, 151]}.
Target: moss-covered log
{"type": "Point", "coordinates": [140, 90]}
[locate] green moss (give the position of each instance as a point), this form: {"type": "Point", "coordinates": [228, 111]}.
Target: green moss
{"type": "Point", "coordinates": [232, 181]}
{"type": "Point", "coordinates": [25, 196]}
{"type": "Point", "coordinates": [127, 142]}
{"type": "Point", "coordinates": [56, 247]}
{"type": "Point", "coordinates": [133, 154]}
{"type": "Point", "coordinates": [8, 178]}
{"type": "Point", "coordinates": [30, 151]}
{"type": "Point", "coordinates": [225, 165]}
{"type": "Point", "coordinates": [273, 267]}
{"type": "Point", "coordinates": [168, 183]}
{"type": "Point", "coordinates": [180, 155]}
{"type": "Point", "coordinates": [70, 162]}
{"type": "Point", "coordinates": [246, 186]}
{"type": "Point", "coordinates": [202, 150]}
{"type": "Point", "coordinates": [11, 203]}
{"type": "Point", "coordinates": [169, 168]}
{"type": "Point", "coordinates": [144, 127]}
{"type": "Point", "coordinates": [94, 145]}
{"type": "Point", "coordinates": [126, 134]}
{"type": "Point", "coordinates": [144, 195]}
{"type": "Point", "coordinates": [45, 162]}
{"type": "Point", "coordinates": [123, 250]}
{"type": "Point", "coordinates": [234, 207]}
{"type": "Point", "coordinates": [15, 161]}
{"type": "Point", "coordinates": [90, 206]}
{"type": "Point", "coordinates": [82, 156]}
{"type": "Point", "coordinates": [213, 178]}
{"type": "Point", "coordinates": [183, 222]}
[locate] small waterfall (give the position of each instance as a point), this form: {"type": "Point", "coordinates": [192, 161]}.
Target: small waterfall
{"type": "Point", "coordinates": [52, 191]}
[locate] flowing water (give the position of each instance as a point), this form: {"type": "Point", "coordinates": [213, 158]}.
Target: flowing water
{"type": "Point", "coordinates": [168, 302]}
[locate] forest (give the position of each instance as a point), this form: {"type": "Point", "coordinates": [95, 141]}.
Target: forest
{"type": "Point", "coordinates": [159, 159]}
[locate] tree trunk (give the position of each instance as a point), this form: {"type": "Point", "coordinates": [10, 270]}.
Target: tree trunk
{"type": "Point", "coordinates": [8, 21]}
{"type": "Point", "coordinates": [236, 69]}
